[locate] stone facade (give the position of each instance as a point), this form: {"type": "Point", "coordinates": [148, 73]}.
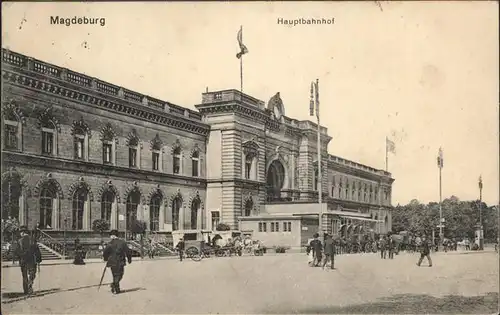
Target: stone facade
{"type": "Point", "coordinates": [76, 149]}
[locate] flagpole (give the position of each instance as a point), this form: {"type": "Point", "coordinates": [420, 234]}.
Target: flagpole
{"type": "Point", "coordinates": [320, 192]}
{"type": "Point", "coordinates": [386, 156]}
{"type": "Point", "coordinates": [241, 63]}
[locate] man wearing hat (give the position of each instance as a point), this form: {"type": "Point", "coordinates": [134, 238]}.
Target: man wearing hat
{"type": "Point", "coordinates": [116, 254]}
{"type": "Point", "coordinates": [29, 256]}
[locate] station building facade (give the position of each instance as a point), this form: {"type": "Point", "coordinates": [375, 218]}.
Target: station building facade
{"type": "Point", "coordinates": [76, 149]}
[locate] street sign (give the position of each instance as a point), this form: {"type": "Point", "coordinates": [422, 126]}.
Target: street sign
{"type": "Point", "coordinates": [121, 217]}
{"type": "Point", "coordinates": [439, 226]}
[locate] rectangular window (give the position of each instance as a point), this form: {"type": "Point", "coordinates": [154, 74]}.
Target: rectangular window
{"type": "Point", "coordinates": [215, 219]}
{"type": "Point", "coordinates": [47, 142]}
{"type": "Point", "coordinates": [156, 161]}
{"type": "Point", "coordinates": [248, 168]}
{"type": "Point", "coordinates": [79, 148]}
{"type": "Point", "coordinates": [177, 165]}
{"type": "Point", "coordinates": [263, 227]}
{"type": "Point", "coordinates": [132, 157]}
{"type": "Point", "coordinates": [10, 137]}
{"type": "Point", "coordinates": [106, 153]}
{"type": "Point", "coordinates": [272, 226]}
{"type": "Point", "coordinates": [289, 226]}
{"type": "Point", "coordinates": [277, 226]}
{"type": "Point", "coordinates": [195, 168]}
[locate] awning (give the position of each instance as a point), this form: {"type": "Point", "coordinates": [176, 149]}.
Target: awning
{"type": "Point", "coordinates": [361, 219]}
{"type": "Point", "coordinates": [336, 212]}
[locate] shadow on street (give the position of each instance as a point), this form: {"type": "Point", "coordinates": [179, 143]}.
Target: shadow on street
{"type": "Point", "coordinates": [11, 297]}
{"type": "Point", "coordinates": [409, 304]}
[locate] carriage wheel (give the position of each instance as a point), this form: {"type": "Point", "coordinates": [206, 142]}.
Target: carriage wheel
{"type": "Point", "coordinates": [192, 251]}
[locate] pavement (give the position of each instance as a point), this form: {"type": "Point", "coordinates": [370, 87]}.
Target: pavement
{"type": "Point", "coordinates": [271, 284]}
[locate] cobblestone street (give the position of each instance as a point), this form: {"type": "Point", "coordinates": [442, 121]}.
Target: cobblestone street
{"type": "Point", "coordinates": [363, 283]}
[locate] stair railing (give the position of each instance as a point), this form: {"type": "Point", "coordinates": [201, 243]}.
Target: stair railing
{"type": "Point", "coordinates": [158, 241]}
{"type": "Point", "coordinates": [51, 243]}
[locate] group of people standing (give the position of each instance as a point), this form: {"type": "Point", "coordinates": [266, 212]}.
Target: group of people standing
{"type": "Point", "coordinates": [316, 250]}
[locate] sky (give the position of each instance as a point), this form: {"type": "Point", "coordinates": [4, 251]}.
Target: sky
{"type": "Point", "coordinates": [424, 74]}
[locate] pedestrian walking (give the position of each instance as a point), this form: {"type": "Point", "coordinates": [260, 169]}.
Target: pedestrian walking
{"type": "Point", "coordinates": [116, 254]}
{"type": "Point", "coordinates": [316, 248]}
{"type": "Point", "coordinates": [382, 246]}
{"type": "Point", "coordinates": [329, 251]}
{"type": "Point", "coordinates": [180, 247]}
{"type": "Point", "coordinates": [29, 256]}
{"type": "Point", "coordinates": [79, 253]}
{"type": "Point", "coordinates": [425, 252]}
{"type": "Point", "coordinates": [391, 247]}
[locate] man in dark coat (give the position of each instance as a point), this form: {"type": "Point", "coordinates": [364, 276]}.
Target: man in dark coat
{"type": "Point", "coordinates": [28, 254]}
{"type": "Point", "coordinates": [382, 245]}
{"type": "Point", "coordinates": [329, 251]}
{"type": "Point", "coordinates": [391, 246]}
{"type": "Point", "coordinates": [180, 247]}
{"type": "Point", "coordinates": [316, 247]}
{"type": "Point", "coordinates": [116, 254]}
{"type": "Point", "coordinates": [425, 252]}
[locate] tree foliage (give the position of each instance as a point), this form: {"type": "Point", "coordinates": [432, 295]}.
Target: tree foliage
{"type": "Point", "coordinates": [461, 218]}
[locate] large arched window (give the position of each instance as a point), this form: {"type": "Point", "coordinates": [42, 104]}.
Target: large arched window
{"type": "Point", "coordinates": [195, 161]}
{"type": "Point", "coordinates": [195, 209]}
{"type": "Point", "coordinates": [79, 199]}
{"type": "Point", "coordinates": [47, 197]}
{"type": "Point", "coordinates": [340, 190]}
{"type": "Point", "coordinates": [177, 161]}
{"type": "Point", "coordinates": [248, 207]}
{"type": "Point", "coordinates": [133, 202]}
{"type": "Point", "coordinates": [154, 212]}
{"type": "Point", "coordinates": [347, 191]}
{"type": "Point", "coordinates": [176, 207]}
{"type": "Point", "coordinates": [107, 205]}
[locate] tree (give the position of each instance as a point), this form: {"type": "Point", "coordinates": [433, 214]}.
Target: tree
{"type": "Point", "coordinates": [9, 229]}
{"type": "Point", "coordinates": [461, 218]}
{"type": "Point", "coordinates": [101, 226]}
{"type": "Point", "coordinates": [223, 227]}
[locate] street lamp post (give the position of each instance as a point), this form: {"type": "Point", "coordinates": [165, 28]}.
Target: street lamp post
{"type": "Point", "coordinates": [319, 177]}
{"type": "Point", "coordinates": [64, 236]}
{"type": "Point", "coordinates": [441, 221]}
{"type": "Point", "coordinates": [481, 241]}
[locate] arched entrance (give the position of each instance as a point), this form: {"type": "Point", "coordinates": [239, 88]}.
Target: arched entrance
{"type": "Point", "coordinates": [275, 180]}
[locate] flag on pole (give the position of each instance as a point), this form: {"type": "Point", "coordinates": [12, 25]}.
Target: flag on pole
{"type": "Point", "coordinates": [314, 103]}
{"type": "Point", "coordinates": [480, 182]}
{"type": "Point", "coordinates": [440, 158]}
{"type": "Point", "coordinates": [390, 146]}
{"type": "Point", "coordinates": [243, 48]}
{"type": "Point", "coordinates": [311, 104]}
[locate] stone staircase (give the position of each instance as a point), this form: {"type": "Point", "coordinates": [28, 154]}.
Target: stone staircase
{"type": "Point", "coordinates": [48, 253]}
